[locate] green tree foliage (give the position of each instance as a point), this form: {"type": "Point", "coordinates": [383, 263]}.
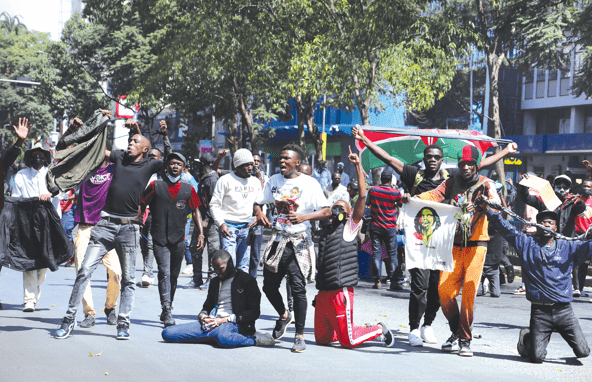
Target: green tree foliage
{"type": "Point", "coordinates": [12, 24]}
{"type": "Point", "coordinates": [391, 47]}
{"type": "Point", "coordinates": [520, 32]}
{"type": "Point", "coordinates": [22, 55]}
{"type": "Point", "coordinates": [68, 86]}
{"type": "Point", "coordinates": [456, 102]}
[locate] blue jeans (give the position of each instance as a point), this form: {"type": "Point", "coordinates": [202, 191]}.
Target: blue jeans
{"type": "Point", "coordinates": [225, 335]}
{"type": "Point", "coordinates": [256, 250]}
{"type": "Point", "coordinates": [147, 247]}
{"type": "Point", "coordinates": [390, 242]}
{"type": "Point", "coordinates": [104, 237]}
{"type": "Point", "coordinates": [237, 245]}
{"type": "Point", "coordinates": [68, 222]}
{"type": "Point", "coordinates": [188, 259]}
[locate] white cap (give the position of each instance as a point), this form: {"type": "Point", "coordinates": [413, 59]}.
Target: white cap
{"type": "Point", "coordinates": [242, 156]}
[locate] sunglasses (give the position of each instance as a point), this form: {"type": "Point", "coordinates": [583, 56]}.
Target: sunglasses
{"type": "Point", "coordinates": [436, 157]}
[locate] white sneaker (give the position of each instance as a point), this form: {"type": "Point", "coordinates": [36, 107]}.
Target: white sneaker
{"type": "Point", "coordinates": [147, 280]}
{"type": "Point", "coordinates": [29, 306]}
{"type": "Point", "coordinates": [188, 269]}
{"type": "Point", "coordinates": [414, 338]}
{"type": "Point", "coordinates": [427, 335]}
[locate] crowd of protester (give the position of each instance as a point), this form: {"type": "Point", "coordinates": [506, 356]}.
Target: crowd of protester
{"type": "Point", "coordinates": [146, 201]}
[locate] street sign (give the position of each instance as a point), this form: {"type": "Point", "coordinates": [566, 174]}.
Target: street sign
{"type": "Point", "coordinates": [23, 82]}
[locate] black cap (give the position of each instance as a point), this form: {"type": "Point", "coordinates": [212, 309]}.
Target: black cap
{"type": "Point", "coordinates": [207, 158]}
{"type": "Point", "coordinates": [386, 174]}
{"type": "Point", "coordinates": [176, 155]}
{"type": "Point", "coordinates": [546, 215]}
{"type": "Point", "coordinates": [353, 184]}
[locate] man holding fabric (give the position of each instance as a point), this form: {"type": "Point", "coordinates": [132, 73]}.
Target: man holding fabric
{"type": "Point", "coordinates": [424, 299]}
{"type": "Point", "coordinates": [117, 229]}
{"type": "Point", "coordinates": [470, 245]}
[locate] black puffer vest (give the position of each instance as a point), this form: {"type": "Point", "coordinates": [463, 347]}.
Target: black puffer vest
{"type": "Point", "coordinates": [337, 261]}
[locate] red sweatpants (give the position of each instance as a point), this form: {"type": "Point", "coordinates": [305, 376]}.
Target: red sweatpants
{"type": "Point", "coordinates": [334, 316]}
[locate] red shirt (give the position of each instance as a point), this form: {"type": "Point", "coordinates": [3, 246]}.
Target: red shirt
{"type": "Point", "coordinates": [148, 195]}
{"type": "Point", "coordinates": [584, 219]}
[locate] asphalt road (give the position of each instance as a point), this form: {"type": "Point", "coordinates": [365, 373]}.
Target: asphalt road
{"type": "Point", "coordinates": [29, 351]}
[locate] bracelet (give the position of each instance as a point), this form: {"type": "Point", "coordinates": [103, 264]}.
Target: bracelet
{"type": "Point", "coordinates": [201, 236]}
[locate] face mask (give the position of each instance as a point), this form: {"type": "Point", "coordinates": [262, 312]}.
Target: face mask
{"type": "Point", "coordinates": [37, 162]}
{"type": "Point", "coordinates": [586, 192]}
{"type": "Point", "coordinates": [174, 180]}
{"type": "Point", "coordinates": [337, 217]}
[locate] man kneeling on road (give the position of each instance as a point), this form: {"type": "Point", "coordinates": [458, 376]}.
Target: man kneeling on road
{"type": "Point", "coordinates": [228, 316]}
{"type": "Point", "coordinates": [338, 274]}
{"type": "Point", "coordinates": [546, 271]}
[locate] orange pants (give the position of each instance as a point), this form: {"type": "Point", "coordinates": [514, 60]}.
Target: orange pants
{"type": "Point", "coordinates": [468, 266]}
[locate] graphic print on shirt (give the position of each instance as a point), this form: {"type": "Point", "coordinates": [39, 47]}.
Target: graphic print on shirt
{"type": "Point", "coordinates": [286, 201]}
{"type": "Point", "coordinates": [429, 234]}
{"type": "Point", "coordinates": [244, 190]}
{"type": "Point", "coordinates": [427, 222]}
{"type": "Point", "coordinates": [100, 178]}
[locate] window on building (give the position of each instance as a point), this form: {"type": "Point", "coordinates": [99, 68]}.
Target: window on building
{"type": "Point", "coordinates": [565, 79]}
{"type": "Point", "coordinates": [528, 84]}
{"type": "Point", "coordinates": [540, 85]}
{"type": "Point", "coordinates": [552, 87]}
{"type": "Point", "coordinates": [588, 119]}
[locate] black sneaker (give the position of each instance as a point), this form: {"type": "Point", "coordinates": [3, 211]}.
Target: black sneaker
{"type": "Point", "coordinates": [511, 273]}
{"type": "Point", "coordinates": [465, 348]}
{"type": "Point", "coordinates": [111, 316]}
{"type": "Point", "coordinates": [65, 329]}
{"type": "Point", "coordinates": [387, 336]}
{"type": "Point", "coordinates": [451, 344]}
{"type": "Point", "coordinates": [123, 331]}
{"type": "Point", "coordinates": [521, 347]}
{"type": "Point", "coordinates": [299, 345]}
{"type": "Point", "coordinates": [88, 322]}
{"type": "Point", "coordinates": [166, 316]}
{"type": "Point", "coordinates": [282, 325]}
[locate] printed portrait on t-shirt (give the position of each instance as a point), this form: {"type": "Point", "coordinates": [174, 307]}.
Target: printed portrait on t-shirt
{"type": "Point", "coordinates": [427, 222]}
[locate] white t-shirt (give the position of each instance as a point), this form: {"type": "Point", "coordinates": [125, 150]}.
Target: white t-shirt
{"type": "Point", "coordinates": [333, 195]}
{"type": "Point", "coordinates": [302, 193]}
{"type": "Point", "coordinates": [233, 198]}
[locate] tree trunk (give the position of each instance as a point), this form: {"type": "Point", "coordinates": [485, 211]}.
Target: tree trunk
{"type": "Point", "coordinates": [494, 64]}
{"type": "Point", "coordinates": [300, 118]}
{"type": "Point", "coordinates": [364, 108]}
{"type": "Point", "coordinates": [233, 142]}
{"type": "Point", "coordinates": [313, 128]}
{"type": "Point", "coordinates": [246, 116]}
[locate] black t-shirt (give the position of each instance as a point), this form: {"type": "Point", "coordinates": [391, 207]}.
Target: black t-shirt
{"type": "Point", "coordinates": [427, 184]}
{"type": "Point", "coordinates": [205, 192]}
{"type": "Point", "coordinates": [129, 181]}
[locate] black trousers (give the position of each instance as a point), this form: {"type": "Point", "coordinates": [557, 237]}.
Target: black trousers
{"type": "Point", "coordinates": [168, 259]}
{"type": "Point", "coordinates": [212, 240]}
{"type": "Point", "coordinates": [491, 273]}
{"type": "Point", "coordinates": [546, 319]}
{"type": "Point", "coordinates": [272, 281]}
{"type": "Point", "coordinates": [424, 297]}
